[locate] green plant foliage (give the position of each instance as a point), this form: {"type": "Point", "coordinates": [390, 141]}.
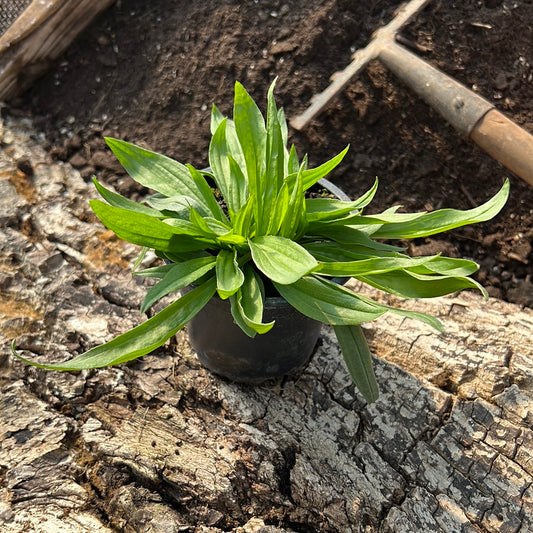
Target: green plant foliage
{"type": "Point", "coordinates": [268, 229]}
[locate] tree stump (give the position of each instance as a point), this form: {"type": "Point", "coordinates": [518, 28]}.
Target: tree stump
{"type": "Point", "coordinates": [160, 444]}
{"type": "Point", "coordinates": [39, 36]}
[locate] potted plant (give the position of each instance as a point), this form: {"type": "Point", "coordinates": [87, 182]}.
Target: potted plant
{"type": "Point", "coordinates": [244, 232]}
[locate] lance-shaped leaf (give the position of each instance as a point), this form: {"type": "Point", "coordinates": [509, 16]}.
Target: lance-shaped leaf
{"type": "Point", "coordinates": [238, 185]}
{"type": "Point", "coordinates": [154, 272]}
{"type": "Point", "coordinates": [281, 259]}
{"type": "Point", "coordinates": [148, 231]}
{"type": "Point", "coordinates": [207, 226]}
{"type": "Point", "coordinates": [275, 162]}
{"type": "Point", "coordinates": [415, 315]}
{"type": "Point", "coordinates": [447, 266]}
{"type": "Point", "coordinates": [279, 212]}
{"type": "Point", "coordinates": [333, 304]}
{"type": "Point", "coordinates": [369, 224]}
{"type": "Point", "coordinates": [284, 129]}
{"type": "Point", "coordinates": [328, 251]}
{"type": "Point", "coordinates": [140, 259]}
{"type": "Point", "coordinates": [312, 175]}
{"type": "Point", "coordinates": [295, 213]}
{"type": "Point", "coordinates": [411, 285]}
{"type": "Point", "coordinates": [243, 223]}
{"type": "Point", "coordinates": [117, 200]}
{"type": "Point", "coordinates": [444, 219]}
{"type": "Point", "coordinates": [207, 195]}
{"type": "Point", "coordinates": [216, 118]}
{"type": "Point", "coordinates": [329, 303]}
{"type": "Point", "coordinates": [292, 161]}
{"type": "Point", "coordinates": [219, 163]}
{"type": "Point", "coordinates": [247, 305]}
{"type": "Point", "coordinates": [177, 277]}
{"type": "Point", "coordinates": [229, 276]}
{"type": "Point", "coordinates": [251, 131]}
{"type": "Point", "coordinates": [232, 141]}
{"type": "Point", "coordinates": [326, 209]}
{"type": "Point", "coordinates": [350, 236]}
{"type": "Point", "coordinates": [156, 171]}
{"type": "Point", "coordinates": [140, 340]}
{"type": "Point", "coordinates": [358, 360]}
{"type": "Point", "coordinates": [176, 206]}
{"type": "Point", "coordinates": [366, 267]}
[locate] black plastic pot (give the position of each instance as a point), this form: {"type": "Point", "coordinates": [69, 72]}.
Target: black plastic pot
{"type": "Point", "coordinates": [226, 350]}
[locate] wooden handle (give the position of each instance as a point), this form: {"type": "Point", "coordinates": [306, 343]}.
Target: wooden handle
{"type": "Point", "coordinates": [506, 142]}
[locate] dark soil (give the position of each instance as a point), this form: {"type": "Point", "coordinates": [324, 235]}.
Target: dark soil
{"type": "Point", "coordinates": [148, 72]}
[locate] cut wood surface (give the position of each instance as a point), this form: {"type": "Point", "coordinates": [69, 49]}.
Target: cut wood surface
{"type": "Point", "coordinates": [160, 444]}
{"type": "Point", "coordinates": [39, 36]}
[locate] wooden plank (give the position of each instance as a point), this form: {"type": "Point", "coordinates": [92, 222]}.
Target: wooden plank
{"type": "Point", "coordinates": [38, 37]}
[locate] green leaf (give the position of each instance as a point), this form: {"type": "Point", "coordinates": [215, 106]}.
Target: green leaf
{"type": "Point", "coordinates": [232, 141]}
{"type": "Point", "coordinates": [328, 302]}
{"type": "Point", "coordinates": [243, 222]}
{"type": "Point", "coordinates": [293, 163]}
{"type": "Point", "coordinates": [369, 224]}
{"type": "Point", "coordinates": [229, 276]}
{"type": "Point", "coordinates": [366, 198]}
{"type": "Point", "coordinates": [275, 162]}
{"type": "Point", "coordinates": [328, 251]}
{"type": "Point", "coordinates": [284, 128]}
{"type": "Point", "coordinates": [238, 185]}
{"type": "Point", "coordinates": [210, 228]}
{"type": "Point", "coordinates": [140, 259]}
{"type": "Point", "coordinates": [312, 175]}
{"type": "Point", "coordinates": [247, 305]}
{"type": "Point", "coordinates": [140, 340]}
{"type": "Point", "coordinates": [279, 213]}
{"type": "Point", "coordinates": [250, 128]}
{"type": "Point", "coordinates": [415, 315]}
{"type": "Point", "coordinates": [157, 171]}
{"type": "Point", "coordinates": [447, 266]}
{"type": "Point", "coordinates": [410, 285]}
{"type": "Point", "coordinates": [180, 257]}
{"type": "Point", "coordinates": [350, 236]}
{"type": "Point", "coordinates": [220, 228]}
{"type": "Point", "coordinates": [219, 163]}
{"type": "Point", "coordinates": [207, 195]}
{"type": "Point", "coordinates": [148, 231]}
{"type": "Point", "coordinates": [294, 219]}
{"type": "Point", "coordinates": [177, 277]}
{"type": "Point", "coordinates": [326, 209]}
{"type": "Point", "coordinates": [366, 267]}
{"type": "Point", "coordinates": [281, 259]}
{"type": "Point", "coordinates": [176, 206]}
{"type": "Point", "coordinates": [154, 272]}
{"type": "Point", "coordinates": [117, 200]}
{"type": "Point", "coordinates": [216, 118]}
{"type": "Point", "coordinates": [358, 360]}
{"type": "Point", "coordinates": [444, 219]}
{"type": "Point", "coordinates": [421, 317]}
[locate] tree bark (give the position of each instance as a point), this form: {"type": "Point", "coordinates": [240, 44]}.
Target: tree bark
{"type": "Point", "coordinates": [160, 444]}
{"type": "Point", "coordinates": [38, 37]}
